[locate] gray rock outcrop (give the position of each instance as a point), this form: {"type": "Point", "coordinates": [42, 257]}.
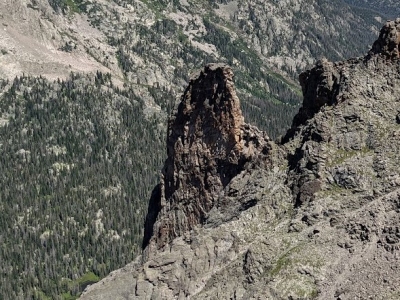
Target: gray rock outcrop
{"type": "Point", "coordinates": [315, 216]}
{"type": "Point", "coordinates": [388, 43]}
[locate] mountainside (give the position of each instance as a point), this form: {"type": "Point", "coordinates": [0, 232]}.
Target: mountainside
{"type": "Point", "coordinates": [312, 217]}
{"type": "Point", "coordinates": [85, 88]}
{"type": "Point", "coordinates": [72, 175]}
{"type": "Point", "coordinates": [389, 8]}
{"type": "Point", "coordinates": [158, 44]}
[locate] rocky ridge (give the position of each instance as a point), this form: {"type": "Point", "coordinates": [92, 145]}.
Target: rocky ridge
{"type": "Point", "coordinates": [324, 202]}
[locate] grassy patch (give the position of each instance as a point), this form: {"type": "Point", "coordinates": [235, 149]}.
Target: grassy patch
{"type": "Point", "coordinates": [335, 189]}
{"type": "Point", "coordinates": [306, 292]}
{"type": "Point", "coordinates": [72, 6]}
{"type": "Point", "coordinates": [74, 287]}
{"type": "Point", "coordinates": [280, 264]}
{"type": "Point", "coordinates": [283, 261]}
{"type": "Point", "coordinates": [295, 283]}
{"type": "Point", "coordinates": [68, 296]}
{"type": "Point", "coordinates": [341, 155]}
{"type": "Point", "coordinates": [85, 280]}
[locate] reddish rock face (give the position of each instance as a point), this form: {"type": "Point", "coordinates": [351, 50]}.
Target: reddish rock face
{"type": "Point", "coordinates": [388, 43]}
{"type": "Point", "coordinates": [208, 144]}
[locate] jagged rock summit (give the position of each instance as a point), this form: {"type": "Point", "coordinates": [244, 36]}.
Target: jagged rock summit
{"type": "Point", "coordinates": [388, 43]}
{"type": "Point", "coordinates": [315, 216]}
{"type": "Point", "coordinates": [208, 144]}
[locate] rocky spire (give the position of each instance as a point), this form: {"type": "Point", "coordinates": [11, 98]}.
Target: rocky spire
{"type": "Point", "coordinates": [208, 144]}
{"type": "Point", "coordinates": [388, 43]}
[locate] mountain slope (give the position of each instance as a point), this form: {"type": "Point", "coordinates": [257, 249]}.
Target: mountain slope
{"type": "Point", "coordinates": [73, 180]}
{"type": "Point", "coordinates": [389, 8]}
{"type": "Point", "coordinates": [158, 44]}
{"type": "Point", "coordinates": [71, 146]}
{"type": "Point", "coordinates": [315, 217]}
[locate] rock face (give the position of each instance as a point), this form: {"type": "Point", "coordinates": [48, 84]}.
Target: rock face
{"type": "Point", "coordinates": [388, 43]}
{"type": "Point", "coordinates": [208, 144]}
{"type": "Point", "coordinates": [315, 216]}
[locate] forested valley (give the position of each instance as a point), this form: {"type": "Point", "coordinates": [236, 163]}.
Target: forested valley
{"type": "Point", "coordinates": [78, 160]}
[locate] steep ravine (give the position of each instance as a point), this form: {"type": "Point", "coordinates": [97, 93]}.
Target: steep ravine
{"type": "Point", "coordinates": [315, 216]}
